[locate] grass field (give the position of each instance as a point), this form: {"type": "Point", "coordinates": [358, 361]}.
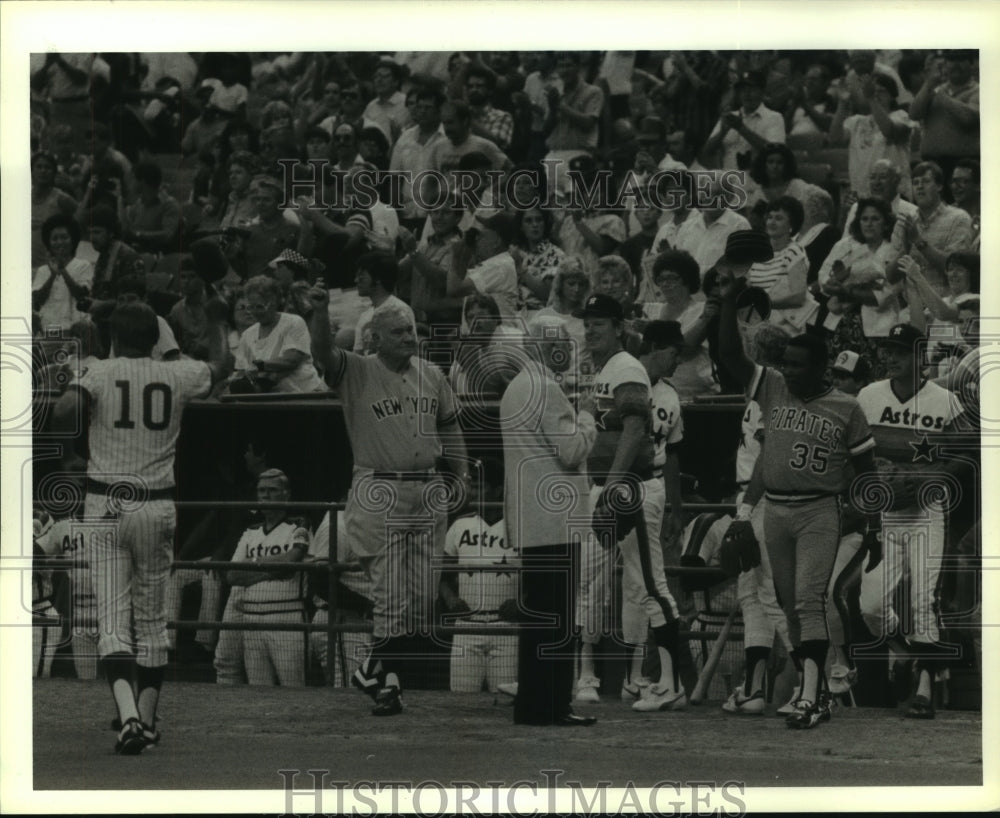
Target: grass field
{"type": "Point", "coordinates": [221, 738]}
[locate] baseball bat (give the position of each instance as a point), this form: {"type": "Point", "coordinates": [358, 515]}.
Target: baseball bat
{"type": "Point", "coordinates": [714, 655]}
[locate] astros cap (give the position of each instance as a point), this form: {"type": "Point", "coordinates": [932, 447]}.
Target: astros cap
{"type": "Point", "coordinates": [601, 305]}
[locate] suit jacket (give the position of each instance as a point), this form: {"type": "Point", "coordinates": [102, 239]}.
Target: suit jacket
{"type": "Point", "coordinates": [545, 454]}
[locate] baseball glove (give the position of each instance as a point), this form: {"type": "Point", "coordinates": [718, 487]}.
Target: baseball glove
{"type": "Point", "coordinates": [616, 510]}
{"type": "Point", "coordinates": [740, 550]}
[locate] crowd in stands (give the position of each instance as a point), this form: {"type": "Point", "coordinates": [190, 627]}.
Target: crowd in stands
{"type": "Point", "coordinates": [232, 183]}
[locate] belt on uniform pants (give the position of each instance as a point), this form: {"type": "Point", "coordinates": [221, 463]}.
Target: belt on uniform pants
{"type": "Point", "coordinates": [795, 497]}
{"type": "Point", "coordinates": [656, 474]}
{"type": "Point", "coordinates": [406, 476]}
{"type": "Point", "coordinates": [97, 487]}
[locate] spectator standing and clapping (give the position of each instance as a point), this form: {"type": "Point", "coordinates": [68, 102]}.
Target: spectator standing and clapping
{"type": "Point", "coordinates": [61, 285]}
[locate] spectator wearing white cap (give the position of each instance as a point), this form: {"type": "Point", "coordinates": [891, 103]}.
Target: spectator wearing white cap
{"type": "Point", "coordinates": [271, 232]}
{"type": "Point", "coordinates": [849, 372]}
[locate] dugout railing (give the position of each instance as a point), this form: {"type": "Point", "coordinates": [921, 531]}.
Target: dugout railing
{"type": "Point", "coordinates": [333, 568]}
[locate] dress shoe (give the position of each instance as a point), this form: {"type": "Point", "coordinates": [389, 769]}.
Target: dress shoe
{"type": "Point", "coordinates": [573, 720]}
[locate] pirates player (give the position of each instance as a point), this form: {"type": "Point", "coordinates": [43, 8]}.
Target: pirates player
{"type": "Point", "coordinates": [134, 406]}
{"type": "Point", "coordinates": [909, 418]}
{"type": "Point", "coordinates": [622, 461]}
{"type": "Point", "coordinates": [272, 657]}
{"type": "Point", "coordinates": [811, 434]}
{"type": "Point", "coordinates": [480, 539]}
{"type": "Point", "coordinates": [400, 414]}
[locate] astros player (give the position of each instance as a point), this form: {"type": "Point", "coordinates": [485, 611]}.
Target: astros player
{"type": "Point", "coordinates": [473, 540]}
{"type": "Point", "coordinates": [134, 406]}
{"type": "Point", "coordinates": [44, 637]}
{"type": "Point", "coordinates": [811, 433]}
{"type": "Point", "coordinates": [400, 414]}
{"type": "Point", "coordinates": [624, 449]}
{"type": "Point", "coordinates": [272, 657]}
{"type": "Point", "coordinates": [68, 537]}
{"type": "Point", "coordinates": [909, 418]}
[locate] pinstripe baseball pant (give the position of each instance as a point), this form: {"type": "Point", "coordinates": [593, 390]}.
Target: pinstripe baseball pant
{"type": "Point", "coordinates": [130, 563]}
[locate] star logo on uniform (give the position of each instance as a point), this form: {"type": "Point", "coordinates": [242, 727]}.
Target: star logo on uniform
{"type": "Point", "coordinates": [659, 437]}
{"type": "Point", "coordinates": [503, 561]}
{"type": "Point", "coordinates": [924, 450]}
{"type": "Point", "coordinates": [600, 415]}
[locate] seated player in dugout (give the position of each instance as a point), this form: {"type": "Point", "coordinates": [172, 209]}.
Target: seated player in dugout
{"type": "Point", "coordinates": [478, 538]}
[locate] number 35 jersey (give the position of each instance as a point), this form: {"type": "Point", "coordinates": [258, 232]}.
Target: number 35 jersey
{"type": "Point", "coordinates": [135, 416]}
{"type": "Point", "coordinates": [807, 443]}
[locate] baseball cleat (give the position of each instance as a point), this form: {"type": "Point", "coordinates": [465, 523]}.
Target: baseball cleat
{"type": "Point", "coordinates": [738, 702]}
{"type": "Point", "coordinates": [130, 739]}
{"type": "Point", "coordinates": [388, 702]}
{"type": "Point", "coordinates": [635, 690]}
{"type": "Point", "coordinates": [842, 679]}
{"type": "Point", "coordinates": [807, 715]}
{"type": "Point", "coordinates": [920, 708]}
{"type": "Point", "coordinates": [661, 698]}
{"type": "Point", "coordinates": [586, 689]}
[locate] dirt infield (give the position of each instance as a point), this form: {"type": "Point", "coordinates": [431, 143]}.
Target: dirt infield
{"type": "Point", "coordinates": [239, 737]}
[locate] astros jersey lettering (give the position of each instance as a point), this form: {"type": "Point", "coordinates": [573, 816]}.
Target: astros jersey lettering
{"type": "Point", "coordinates": [273, 595]}
{"type": "Point", "coordinates": [621, 368]}
{"type": "Point", "coordinates": [474, 542]}
{"type": "Point", "coordinates": [668, 425]}
{"type": "Point", "coordinates": [900, 428]}
{"type": "Point", "coordinates": [393, 418]}
{"type": "Point", "coordinates": [68, 538]}
{"type": "Point", "coordinates": [807, 444]}
{"type": "Point", "coordinates": [135, 409]}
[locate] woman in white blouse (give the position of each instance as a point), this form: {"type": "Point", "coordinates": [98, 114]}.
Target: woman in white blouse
{"type": "Point", "coordinates": [862, 304]}
{"type": "Point", "coordinates": [785, 277]}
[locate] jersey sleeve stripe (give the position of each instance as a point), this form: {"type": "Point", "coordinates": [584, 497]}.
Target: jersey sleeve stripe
{"type": "Point", "coordinates": [862, 445]}
{"type": "Point", "coordinates": [756, 381]}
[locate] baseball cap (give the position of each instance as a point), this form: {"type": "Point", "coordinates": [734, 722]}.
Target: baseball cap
{"type": "Point", "coordinates": [755, 78]}
{"type": "Point", "coordinates": [601, 305]}
{"type": "Point", "coordinates": [903, 335]}
{"type": "Point", "coordinates": [660, 334]}
{"type": "Point", "coordinates": [295, 259]}
{"type": "Point", "coordinates": [850, 363]}
{"type": "Point", "coordinates": [748, 247]}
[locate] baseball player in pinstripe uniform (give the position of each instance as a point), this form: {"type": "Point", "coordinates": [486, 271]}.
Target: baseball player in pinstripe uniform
{"type": "Point", "coordinates": [400, 413]}
{"type": "Point", "coordinates": [272, 657]}
{"type": "Point", "coordinates": [910, 417]}
{"type": "Point", "coordinates": [811, 433]}
{"type": "Point", "coordinates": [134, 406]}
{"type": "Point", "coordinates": [624, 450]}
{"type": "Point", "coordinates": [480, 538]}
